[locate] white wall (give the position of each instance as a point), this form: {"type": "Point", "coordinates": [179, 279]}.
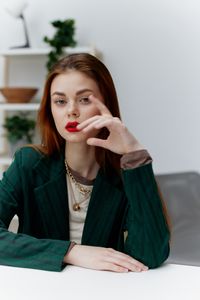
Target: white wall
{"type": "Point", "coordinates": [152, 48]}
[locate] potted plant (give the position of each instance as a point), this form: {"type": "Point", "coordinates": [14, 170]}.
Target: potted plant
{"type": "Point", "coordinates": [63, 37]}
{"type": "Point", "coordinates": [19, 130]}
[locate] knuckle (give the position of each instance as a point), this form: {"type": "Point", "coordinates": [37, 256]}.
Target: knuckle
{"type": "Point", "coordinates": [109, 252]}
{"type": "Point", "coordinates": [120, 269]}
{"type": "Point", "coordinates": [110, 249]}
{"type": "Point", "coordinates": [116, 118]}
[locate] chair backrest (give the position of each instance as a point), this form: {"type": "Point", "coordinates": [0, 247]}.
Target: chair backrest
{"type": "Point", "coordinates": [181, 192]}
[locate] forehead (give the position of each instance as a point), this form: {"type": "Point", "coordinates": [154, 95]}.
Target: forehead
{"type": "Point", "coordinates": [72, 81]}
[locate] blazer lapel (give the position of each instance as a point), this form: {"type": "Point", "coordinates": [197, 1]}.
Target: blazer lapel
{"type": "Point", "coordinates": [52, 197]}
{"type": "Point", "coordinates": [103, 207]}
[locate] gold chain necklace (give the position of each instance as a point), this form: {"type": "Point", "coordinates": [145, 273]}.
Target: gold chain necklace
{"type": "Point", "coordinates": [84, 191]}
{"type": "Point", "coordinates": [76, 206]}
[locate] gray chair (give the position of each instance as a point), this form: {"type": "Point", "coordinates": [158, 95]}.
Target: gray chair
{"type": "Point", "coordinates": [181, 193]}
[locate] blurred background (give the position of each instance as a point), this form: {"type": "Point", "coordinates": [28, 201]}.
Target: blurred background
{"type": "Point", "coordinates": [152, 49]}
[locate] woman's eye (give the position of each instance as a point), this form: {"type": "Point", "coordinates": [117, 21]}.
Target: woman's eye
{"type": "Point", "coordinates": [60, 101]}
{"type": "Point", "coordinates": [84, 100]}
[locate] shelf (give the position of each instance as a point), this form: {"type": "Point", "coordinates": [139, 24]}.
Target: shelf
{"type": "Point", "coordinates": [44, 51]}
{"type": "Point", "coordinates": [19, 106]}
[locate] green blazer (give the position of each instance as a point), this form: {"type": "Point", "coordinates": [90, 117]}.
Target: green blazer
{"type": "Point", "coordinates": [34, 187]}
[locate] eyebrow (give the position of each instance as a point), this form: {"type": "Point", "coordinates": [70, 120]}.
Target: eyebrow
{"type": "Point", "coordinates": [82, 91]}
{"type": "Point", "coordinates": [58, 93]}
{"type": "Point", "coordinates": [77, 93]}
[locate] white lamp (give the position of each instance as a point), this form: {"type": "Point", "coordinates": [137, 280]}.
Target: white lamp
{"type": "Point", "coordinates": [15, 8]}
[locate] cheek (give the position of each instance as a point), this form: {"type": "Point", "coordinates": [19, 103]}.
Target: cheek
{"type": "Point", "coordinates": [91, 112]}
{"type": "Point", "coordinates": [56, 113]}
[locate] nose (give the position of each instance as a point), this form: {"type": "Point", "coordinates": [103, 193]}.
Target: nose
{"type": "Point", "coordinates": [72, 109]}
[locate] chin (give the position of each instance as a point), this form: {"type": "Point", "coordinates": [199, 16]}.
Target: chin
{"type": "Point", "coordinates": [75, 137]}
{"type": "Point", "coordinates": [76, 140]}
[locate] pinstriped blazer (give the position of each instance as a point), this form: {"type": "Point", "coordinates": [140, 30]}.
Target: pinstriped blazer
{"type": "Point", "coordinates": [34, 187]}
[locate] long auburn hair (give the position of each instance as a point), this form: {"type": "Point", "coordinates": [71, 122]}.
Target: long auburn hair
{"type": "Point", "coordinates": [51, 140]}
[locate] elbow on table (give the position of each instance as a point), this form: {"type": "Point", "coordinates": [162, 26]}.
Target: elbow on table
{"type": "Point", "coordinates": [158, 259]}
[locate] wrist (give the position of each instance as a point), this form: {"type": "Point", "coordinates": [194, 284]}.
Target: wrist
{"type": "Point", "coordinates": [133, 148]}
{"type": "Point", "coordinates": [66, 257]}
{"type": "Point", "coordinates": [135, 159]}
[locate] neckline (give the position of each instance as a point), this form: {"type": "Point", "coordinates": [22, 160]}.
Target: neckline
{"type": "Point", "coordinates": [80, 178]}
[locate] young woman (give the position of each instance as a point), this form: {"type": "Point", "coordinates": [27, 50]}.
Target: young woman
{"type": "Point", "coordinates": [87, 184]}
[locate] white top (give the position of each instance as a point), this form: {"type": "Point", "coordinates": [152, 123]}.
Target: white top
{"type": "Point", "coordinates": [76, 218]}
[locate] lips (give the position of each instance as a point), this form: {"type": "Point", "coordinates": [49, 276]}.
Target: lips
{"type": "Point", "coordinates": [71, 127]}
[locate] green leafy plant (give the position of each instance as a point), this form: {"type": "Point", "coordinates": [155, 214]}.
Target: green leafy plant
{"type": "Point", "coordinates": [19, 127]}
{"type": "Point", "coordinates": [63, 37]}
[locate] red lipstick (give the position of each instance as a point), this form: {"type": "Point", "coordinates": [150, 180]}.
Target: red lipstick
{"type": "Point", "coordinates": [71, 127]}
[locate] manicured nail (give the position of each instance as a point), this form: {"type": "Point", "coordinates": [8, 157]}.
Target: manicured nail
{"type": "Point", "coordinates": [138, 269]}
{"type": "Point", "coordinates": [125, 271]}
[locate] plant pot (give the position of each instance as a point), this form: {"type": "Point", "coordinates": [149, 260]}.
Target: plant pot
{"type": "Point", "coordinates": [18, 94]}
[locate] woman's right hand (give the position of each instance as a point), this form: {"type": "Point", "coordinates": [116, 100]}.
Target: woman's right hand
{"type": "Point", "coordinates": [100, 258]}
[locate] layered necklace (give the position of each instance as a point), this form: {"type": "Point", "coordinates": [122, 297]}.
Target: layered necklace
{"type": "Point", "coordinates": [84, 192]}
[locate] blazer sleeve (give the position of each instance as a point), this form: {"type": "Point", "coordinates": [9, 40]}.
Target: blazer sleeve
{"type": "Point", "coordinates": [21, 250]}
{"type": "Point", "coordinates": [148, 233]}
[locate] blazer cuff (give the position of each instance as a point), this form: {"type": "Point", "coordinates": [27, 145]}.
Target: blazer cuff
{"type": "Point", "coordinates": [135, 159]}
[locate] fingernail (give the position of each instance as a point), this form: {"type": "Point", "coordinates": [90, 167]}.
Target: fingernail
{"type": "Point", "coordinates": [145, 268]}
{"type": "Point", "coordinates": [138, 269]}
{"type": "Point", "coordinates": [125, 270]}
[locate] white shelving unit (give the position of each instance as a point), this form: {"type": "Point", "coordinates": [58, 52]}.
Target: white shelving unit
{"type": "Point", "coordinates": [7, 55]}
{"type": "Point", "coordinates": [19, 106]}
{"type": "Point", "coordinates": [45, 51]}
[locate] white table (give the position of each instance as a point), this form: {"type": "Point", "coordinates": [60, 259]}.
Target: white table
{"type": "Point", "coordinates": [168, 282]}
